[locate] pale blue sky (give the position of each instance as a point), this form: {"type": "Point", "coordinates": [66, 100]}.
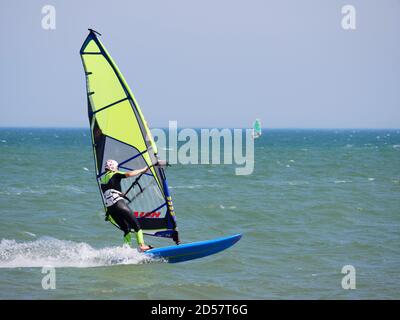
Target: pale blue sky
{"type": "Point", "coordinates": [208, 63]}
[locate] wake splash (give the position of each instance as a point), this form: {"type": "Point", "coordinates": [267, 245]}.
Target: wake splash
{"type": "Point", "coordinates": [62, 253]}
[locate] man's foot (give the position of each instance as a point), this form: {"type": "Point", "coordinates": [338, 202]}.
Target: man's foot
{"type": "Point", "coordinates": [144, 248]}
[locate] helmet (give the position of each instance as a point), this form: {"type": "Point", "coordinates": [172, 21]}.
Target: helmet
{"type": "Point", "coordinates": [111, 165]}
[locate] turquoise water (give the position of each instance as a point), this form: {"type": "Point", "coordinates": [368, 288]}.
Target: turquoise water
{"type": "Point", "coordinates": [318, 200]}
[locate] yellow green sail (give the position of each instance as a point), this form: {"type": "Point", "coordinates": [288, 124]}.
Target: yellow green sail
{"type": "Point", "coordinates": [120, 132]}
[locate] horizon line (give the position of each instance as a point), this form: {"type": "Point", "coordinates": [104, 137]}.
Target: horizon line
{"type": "Point", "coordinates": [271, 128]}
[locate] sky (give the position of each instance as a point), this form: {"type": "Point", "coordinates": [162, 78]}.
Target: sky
{"type": "Point", "coordinates": [208, 63]}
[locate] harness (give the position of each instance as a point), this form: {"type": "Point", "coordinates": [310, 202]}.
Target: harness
{"type": "Point", "coordinates": [111, 196]}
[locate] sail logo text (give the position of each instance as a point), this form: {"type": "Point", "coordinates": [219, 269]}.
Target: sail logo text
{"type": "Point", "coordinates": [147, 214]}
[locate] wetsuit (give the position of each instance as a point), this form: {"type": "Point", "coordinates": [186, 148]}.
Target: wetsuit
{"type": "Point", "coordinates": [117, 208]}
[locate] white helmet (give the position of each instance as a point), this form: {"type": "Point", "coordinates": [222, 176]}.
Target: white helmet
{"type": "Point", "coordinates": [111, 165]}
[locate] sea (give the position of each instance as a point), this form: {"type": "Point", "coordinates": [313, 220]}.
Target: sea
{"type": "Point", "coordinates": [319, 215]}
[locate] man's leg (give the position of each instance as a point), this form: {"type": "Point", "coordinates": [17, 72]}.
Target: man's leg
{"type": "Point", "coordinates": [117, 217]}
{"type": "Point", "coordinates": [133, 223]}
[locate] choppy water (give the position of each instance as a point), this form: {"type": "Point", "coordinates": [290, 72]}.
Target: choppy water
{"type": "Point", "coordinates": [317, 200]}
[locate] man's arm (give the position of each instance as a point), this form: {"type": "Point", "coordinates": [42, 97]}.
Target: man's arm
{"type": "Point", "coordinates": [136, 172]}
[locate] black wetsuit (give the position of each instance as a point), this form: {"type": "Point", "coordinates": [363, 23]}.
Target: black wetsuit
{"type": "Point", "coordinates": [120, 211]}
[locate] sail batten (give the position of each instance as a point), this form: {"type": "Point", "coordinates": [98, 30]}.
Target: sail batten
{"type": "Point", "coordinates": [120, 132]}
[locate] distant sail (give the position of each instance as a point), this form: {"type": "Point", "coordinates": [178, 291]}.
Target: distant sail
{"type": "Point", "coordinates": [257, 131]}
{"type": "Point", "coordinates": [120, 132]}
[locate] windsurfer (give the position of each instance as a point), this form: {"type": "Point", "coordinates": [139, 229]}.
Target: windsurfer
{"type": "Point", "coordinates": [118, 211]}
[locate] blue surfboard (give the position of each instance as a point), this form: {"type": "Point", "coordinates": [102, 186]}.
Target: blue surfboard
{"type": "Point", "coordinates": [194, 250]}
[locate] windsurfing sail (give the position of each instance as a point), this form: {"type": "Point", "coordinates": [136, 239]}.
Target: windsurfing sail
{"type": "Point", "coordinates": [257, 129]}
{"type": "Point", "coordinates": [120, 132]}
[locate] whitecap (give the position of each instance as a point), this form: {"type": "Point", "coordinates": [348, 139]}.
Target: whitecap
{"type": "Point", "coordinates": [61, 253]}
{"type": "Point", "coordinates": [221, 206]}
{"type": "Point", "coordinates": [371, 179]}
{"type": "Point", "coordinates": [195, 186]}
{"type": "Point", "coordinates": [4, 141]}
{"type": "Point", "coordinates": [396, 146]}
{"type": "Point", "coordinates": [18, 191]}
{"type": "Point", "coordinates": [30, 234]}
{"type": "Point", "coordinates": [70, 188]}
{"type": "Point", "coordinates": [342, 181]}
{"type": "Point", "coordinates": [10, 193]}
{"type": "Point", "coordinates": [86, 169]}
{"type": "Point", "coordinates": [298, 183]}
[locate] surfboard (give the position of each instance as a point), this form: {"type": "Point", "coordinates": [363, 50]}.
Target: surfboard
{"type": "Point", "coordinates": [194, 250]}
